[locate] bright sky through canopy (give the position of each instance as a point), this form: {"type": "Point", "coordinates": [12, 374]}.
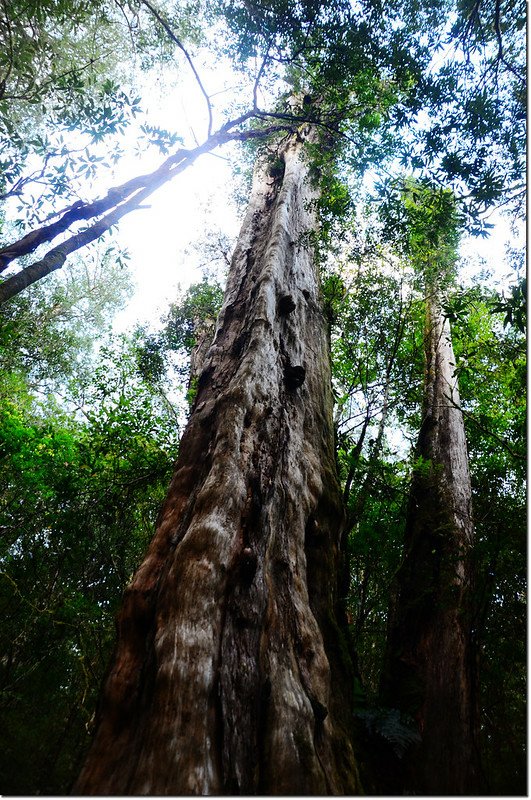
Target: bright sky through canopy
{"type": "Point", "coordinates": [162, 239]}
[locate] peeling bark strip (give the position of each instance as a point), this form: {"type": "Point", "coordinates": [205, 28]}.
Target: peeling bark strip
{"type": "Point", "coordinates": [430, 670]}
{"type": "Point", "coordinates": [230, 675]}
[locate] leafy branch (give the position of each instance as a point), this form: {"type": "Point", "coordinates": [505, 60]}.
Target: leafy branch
{"type": "Point", "coordinates": [500, 439]}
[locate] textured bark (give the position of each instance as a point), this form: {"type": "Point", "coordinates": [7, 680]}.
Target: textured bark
{"type": "Point", "coordinates": [204, 330]}
{"type": "Point", "coordinates": [430, 665]}
{"type": "Point", "coordinates": [230, 673]}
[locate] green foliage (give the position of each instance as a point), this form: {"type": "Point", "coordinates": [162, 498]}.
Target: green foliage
{"type": "Point", "coordinates": [171, 347]}
{"type": "Point", "coordinates": [45, 335]}
{"type": "Point", "coordinates": [162, 139]}
{"type": "Point", "coordinates": [423, 467]}
{"type": "Point", "coordinates": [375, 551]}
{"type": "Point", "coordinates": [376, 340]}
{"type": "Point", "coordinates": [492, 363]}
{"type": "Point", "coordinates": [201, 302]}
{"type": "Point", "coordinates": [335, 207]}
{"type": "Point", "coordinates": [80, 487]}
{"type": "Point", "coordinates": [77, 502]}
{"type": "Point", "coordinates": [191, 394]}
{"type": "Point", "coordinates": [333, 291]}
{"type": "Point", "coordinates": [480, 107]}
{"type": "Point", "coordinates": [378, 67]}
{"type": "Point", "coordinates": [423, 224]}
{"type": "Point", "coordinates": [514, 307]}
{"type": "Point", "coordinates": [55, 68]}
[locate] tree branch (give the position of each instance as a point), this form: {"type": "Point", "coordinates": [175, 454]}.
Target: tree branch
{"type": "Point", "coordinates": [118, 202]}
{"type": "Point", "coordinates": [259, 77]}
{"type": "Point", "coordinates": [504, 443]}
{"type": "Point", "coordinates": [160, 19]}
{"type": "Point", "coordinates": [84, 211]}
{"type": "Point", "coordinates": [500, 57]}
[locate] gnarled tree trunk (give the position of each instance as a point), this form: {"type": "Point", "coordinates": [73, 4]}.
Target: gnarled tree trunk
{"type": "Point", "coordinates": [430, 672]}
{"type": "Point", "coordinates": [230, 673]}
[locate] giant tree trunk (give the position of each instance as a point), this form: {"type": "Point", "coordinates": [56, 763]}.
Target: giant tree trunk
{"type": "Point", "coordinates": [230, 673]}
{"type": "Point", "coordinates": [430, 665]}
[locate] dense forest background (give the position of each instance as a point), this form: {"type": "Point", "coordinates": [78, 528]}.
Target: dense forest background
{"type": "Point", "coordinates": [419, 103]}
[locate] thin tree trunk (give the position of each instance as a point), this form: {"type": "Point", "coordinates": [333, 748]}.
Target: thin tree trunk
{"type": "Point", "coordinates": [430, 666]}
{"type": "Point", "coordinates": [230, 673]}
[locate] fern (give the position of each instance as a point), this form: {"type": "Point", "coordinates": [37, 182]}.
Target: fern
{"type": "Point", "coordinates": [396, 728]}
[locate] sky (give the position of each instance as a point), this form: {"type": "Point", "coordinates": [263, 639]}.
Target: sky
{"type": "Point", "coordinates": [164, 240]}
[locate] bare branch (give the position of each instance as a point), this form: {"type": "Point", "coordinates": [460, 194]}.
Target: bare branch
{"type": "Point", "coordinates": [180, 45]}
{"type": "Point", "coordinates": [320, 123]}
{"type": "Point", "coordinates": [259, 77]}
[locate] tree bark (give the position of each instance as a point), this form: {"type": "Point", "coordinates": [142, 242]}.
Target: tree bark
{"type": "Point", "coordinates": [430, 666]}
{"type": "Point", "coordinates": [231, 673]}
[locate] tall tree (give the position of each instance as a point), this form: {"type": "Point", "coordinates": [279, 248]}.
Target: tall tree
{"type": "Point", "coordinates": [430, 665]}
{"type": "Point", "coordinates": [231, 673]}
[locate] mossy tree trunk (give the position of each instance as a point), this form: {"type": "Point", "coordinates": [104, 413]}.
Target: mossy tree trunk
{"type": "Point", "coordinates": [430, 664]}
{"type": "Point", "coordinates": [230, 673]}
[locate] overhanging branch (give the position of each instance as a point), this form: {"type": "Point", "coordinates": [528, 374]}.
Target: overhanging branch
{"type": "Point", "coordinates": [118, 202]}
{"type": "Point", "coordinates": [500, 439]}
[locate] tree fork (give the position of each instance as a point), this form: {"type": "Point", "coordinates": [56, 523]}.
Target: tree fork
{"type": "Point", "coordinates": [231, 673]}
